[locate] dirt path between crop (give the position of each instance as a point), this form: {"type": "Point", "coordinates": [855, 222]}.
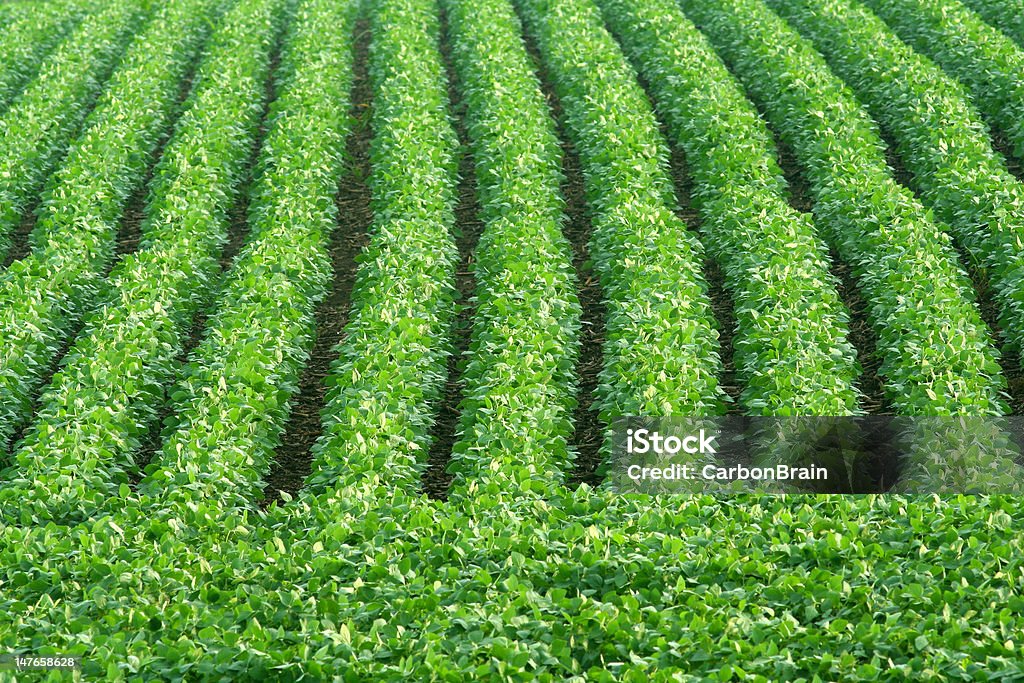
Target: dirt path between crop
{"type": "Point", "coordinates": [588, 432]}
{"type": "Point", "coordinates": [294, 458]}
{"type": "Point", "coordinates": [436, 479]}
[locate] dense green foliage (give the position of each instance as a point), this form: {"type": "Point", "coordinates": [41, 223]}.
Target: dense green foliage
{"type": "Point", "coordinates": [36, 130]}
{"type": "Point", "coordinates": [661, 347]}
{"type": "Point", "coordinates": [392, 362]}
{"type": "Point", "coordinates": [519, 395]}
{"type": "Point", "coordinates": [27, 40]}
{"type": "Point", "coordinates": [1006, 15]}
{"type": "Point", "coordinates": [938, 358]}
{"type": "Point", "coordinates": [791, 351]}
{"type": "Point", "coordinates": [979, 56]}
{"type": "Point", "coordinates": [937, 354]}
{"type": "Point", "coordinates": [392, 588]}
{"type": "Point", "coordinates": [43, 295]}
{"type": "Point", "coordinates": [361, 576]}
{"type": "Point", "coordinates": [107, 395]}
{"type": "Point", "coordinates": [230, 409]}
{"type": "Point", "coordinates": [939, 136]}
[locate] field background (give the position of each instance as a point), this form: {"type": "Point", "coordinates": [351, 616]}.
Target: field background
{"type": "Point", "coordinates": [315, 314]}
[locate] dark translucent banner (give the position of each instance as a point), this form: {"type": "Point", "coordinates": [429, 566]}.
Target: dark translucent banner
{"type": "Point", "coordinates": [871, 454]}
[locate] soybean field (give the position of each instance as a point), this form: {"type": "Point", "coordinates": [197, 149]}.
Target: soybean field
{"type": "Point", "coordinates": [317, 318]}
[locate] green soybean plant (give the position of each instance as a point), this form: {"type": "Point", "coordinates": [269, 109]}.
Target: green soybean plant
{"type": "Point", "coordinates": [391, 365]}
{"type": "Point", "coordinates": [1006, 15]}
{"type": "Point", "coordinates": [979, 56]}
{"type": "Point", "coordinates": [26, 42]}
{"type": "Point", "coordinates": [415, 591]}
{"type": "Point", "coordinates": [520, 377]}
{"type": "Point", "coordinates": [37, 128]}
{"type": "Point", "coordinates": [108, 394]}
{"type": "Point", "coordinates": [791, 348]}
{"type": "Point", "coordinates": [230, 408]}
{"type": "Point", "coordinates": [661, 346]}
{"type": "Point", "coordinates": [43, 295]}
{"type": "Point", "coordinates": [790, 344]}
{"type": "Point", "coordinates": [938, 134]}
{"type": "Point", "coordinates": [937, 355]}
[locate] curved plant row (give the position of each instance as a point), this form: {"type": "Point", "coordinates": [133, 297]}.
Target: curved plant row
{"type": "Point", "coordinates": [25, 42]}
{"type": "Point", "coordinates": [937, 355]}
{"type": "Point", "coordinates": [939, 135]}
{"type": "Point", "coordinates": [791, 348]}
{"type": "Point", "coordinates": [43, 295]}
{"type": "Point", "coordinates": [1006, 15]}
{"type": "Point", "coordinates": [231, 407]}
{"type": "Point", "coordinates": [37, 128]}
{"type": "Point", "coordinates": [520, 379]}
{"type": "Point", "coordinates": [938, 358]}
{"type": "Point", "coordinates": [978, 55]}
{"type": "Point", "coordinates": [392, 361]}
{"type": "Point", "coordinates": [661, 347]}
{"type": "Point", "coordinates": [109, 391]}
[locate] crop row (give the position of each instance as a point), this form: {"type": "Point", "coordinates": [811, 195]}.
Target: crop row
{"type": "Point", "coordinates": [791, 348]}
{"type": "Point", "coordinates": [43, 295]}
{"type": "Point", "coordinates": [937, 354]}
{"type": "Point", "coordinates": [939, 136]}
{"type": "Point", "coordinates": [36, 129]}
{"type": "Point", "coordinates": [661, 346]}
{"type": "Point", "coordinates": [392, 362]}
{"type": "Point", "coordinates": [938, 357]}
{"type": "Point", "coordinates": [231, 406]}
{"type": "Point", "coordinates": [519, 380]}
{"type": "Point", "coordinates": [1006, 15]}
{"type": "Point", "coordinates": [26, 41]}
{"type": "Point", "coordinates": [108, 394]}
{"type": "Point", "coordinates": [978, 55]}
